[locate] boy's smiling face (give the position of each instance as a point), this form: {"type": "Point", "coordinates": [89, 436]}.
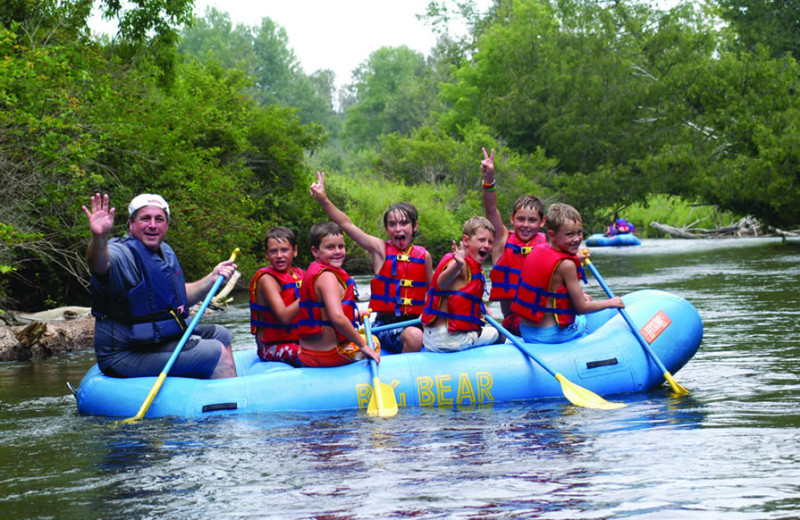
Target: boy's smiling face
{"type": "Point", "coordinates": [526, 223]}
{"type": "Point", "coordinates": [280, 254]}
{"type": "Point", "coordinates": [568, 238]}
{"type": "Point", "coordinates": [479, 245]}
{"type": "Point", "coordinates": [400, 230]}
{"type": "Point", "coordinates": [331, 251]}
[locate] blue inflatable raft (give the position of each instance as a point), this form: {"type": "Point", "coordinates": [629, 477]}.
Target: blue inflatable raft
{"type": "Point", "coordinates": [609, 360]}
{"type": "Point", "coordinates": [622, 239]}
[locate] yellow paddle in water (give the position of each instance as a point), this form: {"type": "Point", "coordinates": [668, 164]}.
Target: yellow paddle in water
{"type": "Point", "coordinates": [676, 387]}
{"type": "Point", "coordinates": [171, 361]}
{"type": "Point", "coordinates": [382, 402]}
{"type": "Point", "coordinates": [576, 395]}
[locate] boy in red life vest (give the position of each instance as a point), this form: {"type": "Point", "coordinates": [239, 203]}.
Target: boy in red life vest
{"type": "Point", "coordinates": [402, 270]}
{"type": "Point", "coordinates": [510, 247]}
{"type": "Point", "coordinates": [550, 299]}
{"type": "Point", "coordinates": [274, 299]}
{"type": "Point", "coordinates": [454, 306]}
{"type": "Point", "coordinates": [328, 311]}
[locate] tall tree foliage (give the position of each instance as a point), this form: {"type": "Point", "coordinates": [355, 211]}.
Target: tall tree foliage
{"type": "Point", "coordinates": [631, 101]}
{"type": "Point", "coordinates": [390, 95]}
{"type": "Point", "coordinates": [263, 53]}
{"type": "Point", "coordinates": [773, 23]}
{"type": "Point", "coordinates": [75, 120]}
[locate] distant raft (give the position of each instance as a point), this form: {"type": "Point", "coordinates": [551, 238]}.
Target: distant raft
{"type": "Point", "coordinates": [621, 239]}
{"type": "Point", "coordinates": [609, 360]}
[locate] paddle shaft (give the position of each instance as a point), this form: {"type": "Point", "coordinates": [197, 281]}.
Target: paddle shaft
{"type": "Point", "coordinates": [399, 324]}
{"type": "Point", "coordinates": [520, 345]}
{"type": "Point", "coordinates": [175, 353]}
{"type": "Point", "coordinates": [635, 329]}
{"type": "Point", "coordinates": [577, 395]}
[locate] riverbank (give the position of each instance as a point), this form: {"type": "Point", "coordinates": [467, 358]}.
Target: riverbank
{"type": "Point", "coordinates": [46, 337]}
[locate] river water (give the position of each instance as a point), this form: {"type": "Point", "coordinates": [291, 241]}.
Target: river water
{"type": "Point", "coordinates": [731, 449]}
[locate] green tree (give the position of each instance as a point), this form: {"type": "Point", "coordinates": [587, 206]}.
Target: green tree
{"type": "Point", "coordinates": [74, 120]}
{"type": "Point", "coordinates": [773, 23]}
{"type": "Point", "coordinates": [389, 95]}
{"type": "Point", "coordinates": [263, 53]}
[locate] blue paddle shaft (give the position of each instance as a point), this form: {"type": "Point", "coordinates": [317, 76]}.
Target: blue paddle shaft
{"type": "Point", "coordinates": [192, 324]}
{"type": "Point", "coordinates": [517, 343]}
{"type": "Point", "coordinates": [399, 324]}
{"type": "Point", "coordinates": [627, 318]}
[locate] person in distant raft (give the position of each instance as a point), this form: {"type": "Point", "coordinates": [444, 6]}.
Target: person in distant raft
{"type": "Point", "coordinates": [328, 310]}
{"type": "Point", "coordinates": [619, 226]}
{"type": "Point", "coordinates": [402, 270]}
{"type": "Point", "coordinates": [454, 308]}
{"type": "Point", "coordinates": [274, 299]}
{"type": "Point", "coordinates": [140, 299]}
{"type": "Point", "coordinates": [510, 247]}
{"type": "Point", "coordinates": [550, 299]}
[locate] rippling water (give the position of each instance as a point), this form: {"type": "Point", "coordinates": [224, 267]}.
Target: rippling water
{"type": "Point", "coordinates": [728, 450]}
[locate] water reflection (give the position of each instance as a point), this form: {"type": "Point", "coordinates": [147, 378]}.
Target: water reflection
{"type": "Point", "coordinates": [729, 449]}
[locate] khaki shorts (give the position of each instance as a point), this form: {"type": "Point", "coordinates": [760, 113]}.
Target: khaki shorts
{"type": "Point", "coordinates": [437, 339]}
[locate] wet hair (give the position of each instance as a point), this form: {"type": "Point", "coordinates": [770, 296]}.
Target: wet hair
{"type": "Point", "coordinates": [559, 214]}
{"type": "Point", "coordinates": [280, 233]}
{"type": "Point", "coordinates": [475, 224]}
{"type": "Point", "coordinates": [321, 230]}
{"type": "Point", "coordinates": [406, 208]}
{"type": "Point", "coordinates": [529, 201]}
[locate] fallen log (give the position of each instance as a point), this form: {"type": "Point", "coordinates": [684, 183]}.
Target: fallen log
{"type": "Point", "coordinates": [746, 226]}
{"type": "Point", "coordinates": [41, 335]}
{"type": "Point", "coordinates": [45, 339]}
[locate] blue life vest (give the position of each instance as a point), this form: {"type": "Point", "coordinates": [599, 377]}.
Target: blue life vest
{"type": "Point", "coordinates": [156, 307]}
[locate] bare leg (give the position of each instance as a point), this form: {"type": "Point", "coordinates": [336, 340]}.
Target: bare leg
{"type": "Point", "coordinates": [411, 339]}
{"type": "Point", "coordinates": [226, 367]}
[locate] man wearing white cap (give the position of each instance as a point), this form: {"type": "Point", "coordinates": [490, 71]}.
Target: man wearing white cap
{"type": "Point", "coordinates": [140, 298]}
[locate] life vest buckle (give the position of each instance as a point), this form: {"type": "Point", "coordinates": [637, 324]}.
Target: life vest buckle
{"type": "Point", "coordinates": [406, 283]}
{"type": "Point", "coordinates": [406, 301]}
{"type": "Point", "coordinates": [526, 250]}
{"type": "Point", "coordinates": [402, 258]}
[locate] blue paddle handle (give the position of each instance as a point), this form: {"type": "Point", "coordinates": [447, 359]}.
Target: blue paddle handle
{"type": "Point", "coordinates": [373, 366]}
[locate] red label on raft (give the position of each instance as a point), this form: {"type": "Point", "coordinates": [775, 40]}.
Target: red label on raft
{"type": "Point", "coordinates": [655, 326]}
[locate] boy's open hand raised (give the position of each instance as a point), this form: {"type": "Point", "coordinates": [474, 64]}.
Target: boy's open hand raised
{"type": "Point", "coordinates": [458, 254]}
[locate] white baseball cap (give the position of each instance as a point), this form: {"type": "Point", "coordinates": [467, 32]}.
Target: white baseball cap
{"type": "Point", "coordinates": [147, 199]}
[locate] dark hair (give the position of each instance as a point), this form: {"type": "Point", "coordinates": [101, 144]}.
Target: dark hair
{"type": "Point", "coordinates": [321, 230]}
{"type": "Point", "coordinates": [280, 233]}
{"type": "Point", "coordinates": [406, 208]}
{"type": "Point", "coordinates": [559, 214]}
{"type": "Point", "coordinates": [529, 201]}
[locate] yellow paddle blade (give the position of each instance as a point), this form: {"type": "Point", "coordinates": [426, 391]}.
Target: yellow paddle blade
{"type": "Point", "coordinates": [580, 396]}
{"type": "Point", "coordinates": [382, 402]}
{"type": "Point", "coordinates": [676, 387]}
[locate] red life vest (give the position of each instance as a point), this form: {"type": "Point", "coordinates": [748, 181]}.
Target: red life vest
{"type": "Point", "coordinates": [505, 273]}
{"type": "Point", "coordinates": [400, 286]}
{"type": "Point", "coordinates": [310, 321]}
{"type": "Point", "coordinates": [534, 297]}
{"type": "Point", "coordinates": [263, 321]}
{"type": "Point", "coordinates": [464, 306]}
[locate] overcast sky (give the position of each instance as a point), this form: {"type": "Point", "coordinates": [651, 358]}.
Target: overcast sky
{"type": "Point", "coordinates": [336, 34]}
{"type": "Point", "coordinates": [340, 34]}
